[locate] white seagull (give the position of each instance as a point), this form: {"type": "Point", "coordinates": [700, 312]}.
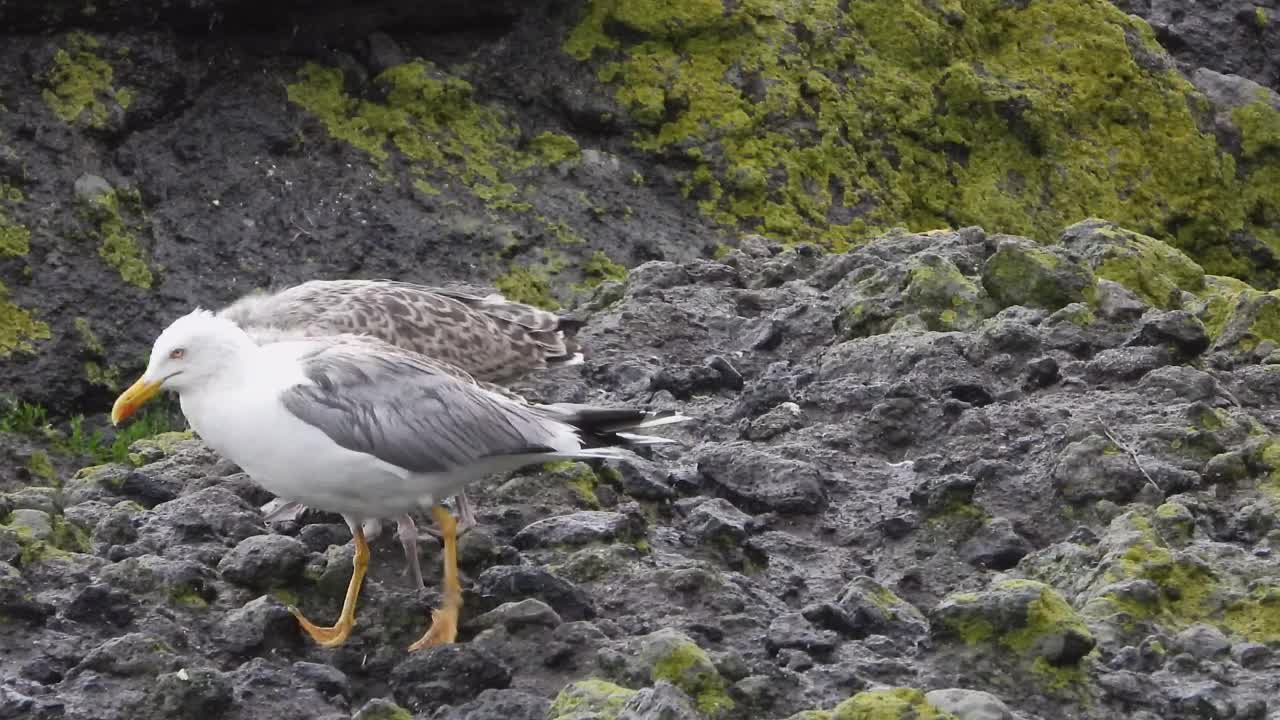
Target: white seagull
{"type": "Point", "coordinates": [365, 429]}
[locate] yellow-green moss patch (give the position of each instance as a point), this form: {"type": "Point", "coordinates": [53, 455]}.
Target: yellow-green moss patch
{"type": "Point", "coordinates": [828, 122]}
{"type": "Point", "coordinates": [688, 667]}
{"type": "Point", "coordinates": [894, 704]}
{"type": "Point", "coordinates": [18, 327]}
{"type": "Point", "coordinates": [117, 244]}
{"type": "Point", "coordinates": [78, 86]}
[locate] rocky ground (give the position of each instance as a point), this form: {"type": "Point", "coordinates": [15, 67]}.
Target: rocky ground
{"type": "Point", "coordinates": [945, 473]}
{"type": "Point", "coordinates": [932, 474]}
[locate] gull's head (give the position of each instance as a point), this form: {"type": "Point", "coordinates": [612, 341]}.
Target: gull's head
{"type": "Point", "coordinates": [193, 349]}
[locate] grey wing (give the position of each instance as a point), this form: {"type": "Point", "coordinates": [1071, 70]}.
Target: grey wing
{"type": "Point", "coordinates": [408, 413]}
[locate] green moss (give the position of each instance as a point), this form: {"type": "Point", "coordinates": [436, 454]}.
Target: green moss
{"type": "Point", "coordinates": [527, 285]}
{"type": "Point", "coordinates": [184, 595]}
{"type": "Point", "coordinates": [1047, 614]}
{"type": "Point", "coordinates": [1022, 275]}
{"type": "Point", "coordinates": [599, 268]}
{"type": "Point", "coordinates": [894, 704]}
{"type": "Point", "coordinates": [688, 668]}
{"type": "Point", "coordinates": [387, 710]}
{"type": "Point", "coordinates": [18, 327]}
{"type": "Point", "coordinates": [829, 122]}
{"type": "Point", "coordinates": [591, 697]}
{"type": "Point", "coordinates": [943, 296]}
{"type": "Point", "coordinates": [1256, 618]}
{"type": "Point", "coordinates": [1260, 17]}
{"type": "Point", "coordinates": [580, 478]}
{"type": "Point", "coordinates": [1259, 125]}
{"type": "Point", "coordinates": [78, 87]}
{"type": "Point", "coordinates": [1152, 269]}
{"type": "Point", "coordinates": [15, 239]}
{"type": "Point", "coordinates": [435, 123]}
{"type": "Point", "coordinates": [555, 148]}
{"type": "Point", "coordinates": [118, 247]}
{"type": "Point", "coordinates": [65, 537]}
{"type": "Point", "coordinates": [41, 466]}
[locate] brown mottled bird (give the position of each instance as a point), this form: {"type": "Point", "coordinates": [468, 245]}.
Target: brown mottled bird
{"type": "Point", "coordinates": [483, 338]}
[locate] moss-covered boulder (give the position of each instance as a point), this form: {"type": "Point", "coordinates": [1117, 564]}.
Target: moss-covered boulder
{"type": "Point", "coordinates": [1151, 577]}
{"type": "Point", "coordinates": [830, 121]}
{"type": "Point", "coordinates": [1159, 273]}
{"type": "Point", "coordinates": [589, 699]}
{"type": "Point", "coordinates": [1028, 617]}
{"type": "Point", "coordinates": [941, 296]}
{"type": "Point", "coordinates": [670, 655]}
{"type": "Point", "coordinates": [1020, 273]}
{"type": "Point", "coordinates": [893, 704]}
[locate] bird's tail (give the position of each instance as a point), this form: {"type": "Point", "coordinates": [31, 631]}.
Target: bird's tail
{"type": "Point", "coordinates": [607, 432]}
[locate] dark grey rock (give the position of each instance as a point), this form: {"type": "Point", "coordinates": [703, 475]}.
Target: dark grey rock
{"type": "Point", "coordinates": [515, 615]}
{"type": "Point", "coordinates": [130, 655]}
{"type": "Point", "coordinates": [663, 701]}
{"type": "Point", "coordinates": [1177, 329]}
{"type": "Point", "coordinates": [1205, 642]}
{"type": "Point", "coordinates": [718, 521]}
{"type": "Point", "coordinates": [263, 622]}
{"type": "Point", "coordinates": [794, 632]}
{"type": "Point", "coordinates": [191, 692]}
{"type": "Point", "coordinates": [446, 674]}
{"type": "Point", "coordinates": [506, 583]}
{"type": "Point", "coordinates": [996, 546]}
{"type": "Point", "coordinates": [761, 481]}
{"type": "Point", "coordinates": [1117, 302]}
{"type": "Point", "coordinates": [264, 561]}
{"type": "Point", "coordinates": [100, 603]}
{"type": "Point", "coordinates": [969, 704]}
{"type": "Point", "coordinates": [580, 528]}
{"type": "Point", "coordinates": [508, 704]}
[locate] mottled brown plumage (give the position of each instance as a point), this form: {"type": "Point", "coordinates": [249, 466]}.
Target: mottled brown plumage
{"type": "Point", "coordinates": [490, 337]}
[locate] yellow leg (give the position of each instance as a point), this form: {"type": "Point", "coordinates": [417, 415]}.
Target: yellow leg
{"type": "Point", "coordinates": [444, 622]}
{"type": "Point", "coordinates": [338, 634]}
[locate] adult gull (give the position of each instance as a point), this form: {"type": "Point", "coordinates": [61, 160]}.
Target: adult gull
{"type": "Point", "coordinates": [367, 430]}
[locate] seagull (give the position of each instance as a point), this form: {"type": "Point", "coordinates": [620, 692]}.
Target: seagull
{"type": "Point", "coordinates": [485, 338]}
{"type": "Point", "coordinates": [363, 428]}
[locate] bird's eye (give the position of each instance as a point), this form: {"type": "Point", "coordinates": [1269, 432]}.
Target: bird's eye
{"type": "Point", "coordinates": [177, 353]}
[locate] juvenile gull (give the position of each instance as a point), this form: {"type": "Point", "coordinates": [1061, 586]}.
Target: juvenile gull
{"type": "Point", "coordinates": [485, 337]}
{"type": "Point", "coordinates": [365, 429]}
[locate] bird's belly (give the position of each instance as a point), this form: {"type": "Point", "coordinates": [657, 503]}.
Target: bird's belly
{"type": "Point", "coordinates": [298, 461]}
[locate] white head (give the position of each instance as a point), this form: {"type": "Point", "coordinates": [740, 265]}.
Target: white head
{"type": "Point", "coordinates": [192, 350]}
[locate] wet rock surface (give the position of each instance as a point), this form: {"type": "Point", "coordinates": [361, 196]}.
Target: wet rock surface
{"type": "Point", "coordinates": [928, 532]}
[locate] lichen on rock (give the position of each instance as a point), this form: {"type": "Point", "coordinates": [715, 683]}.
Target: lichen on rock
{"type": "Point", "coordinates": [891, 704]}
{"type": "Point", "coordinates": [825, 121]}
{"type": "Point", "coordinates": [79, 86]}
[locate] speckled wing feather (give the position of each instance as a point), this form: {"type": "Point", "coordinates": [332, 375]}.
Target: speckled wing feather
{"type": "Point", "coordinates": [491, 338]}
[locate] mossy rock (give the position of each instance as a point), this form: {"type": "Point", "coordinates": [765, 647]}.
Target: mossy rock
{"type": "Point", "coordinates": [157, 447]}
{"type": "Point", "coordinates": [830, 122]}
{"type": "Point", "coordinates": [893, 704]}
{"type": "Point", "coordinates": [670, 655]}
{"type": "Point", "coordinates": [1159, 273]}
{"type": "Point", "coordinates": [1253, 318]}
{"type": "Point", "coordinates": [1144, 584]}
{"type": "Point", "coordinates": [593, 698]}
{"type": "Point", "coordinates": [941, 296]}
{"type": "Point", "coordinates": [1028, 617]}
{"type": "Point", "coordinates": [1019, 273]}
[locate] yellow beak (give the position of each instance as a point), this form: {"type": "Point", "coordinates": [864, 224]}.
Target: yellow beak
{"type": "Point", "coordinates": [132, 399]}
